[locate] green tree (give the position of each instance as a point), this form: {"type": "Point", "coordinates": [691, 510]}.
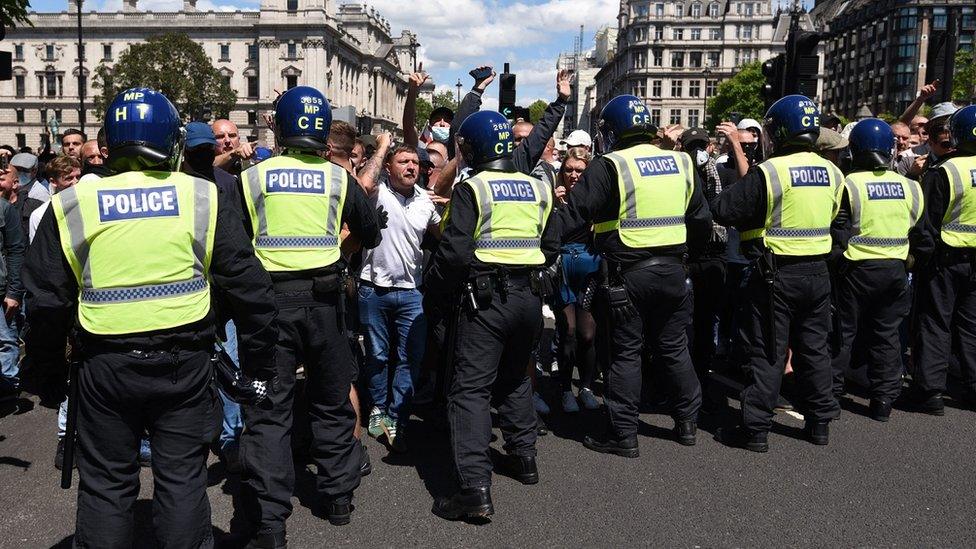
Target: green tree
{"type": "Point", "coordinates": [424, 108]}
{"type": "Point", "coordinates": [14, 12]}
{"type": "Point", "coordinates": [536, 109]}
{"type": "Point", "coordinates": [741, 94]}
{"type": "Point", "coordinates": [173, 64]}
{"type": "Point", "coordinates": [964, 78]}
{"type": "Point", "coordinates": [887, 117]}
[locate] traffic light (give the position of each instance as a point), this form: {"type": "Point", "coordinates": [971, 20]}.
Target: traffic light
{"type": "Point", "coordinates": [774, 71]}
{"type": "Point", "coordinates": [803, 70]}
{"type": "Point", "coordinates": [506, 94]}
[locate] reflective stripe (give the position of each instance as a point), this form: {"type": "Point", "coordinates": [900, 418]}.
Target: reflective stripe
{"type": "Point", "coordinates": [484, 204]}
{"type": "Point", "coordinates": [646, 222]}
{"type": "Point", "coordinates": [797, 233]}
{"type": "Point", "coordinates": [855, 197]}
{"type": "Point", "coordinates": [76, 230]}
{"type": "Point", "coordinates": [296, 241]}
{"type": "Point", "coordinates": [257, 195]}
{"type": "Point", "coordinates": [776, 217]}
{"type": "Point", "coordinates": [959, 228]}
{"type": "Point", "coordinates": [543, 203]}
{"type": "Point", "coordinates": [630, 195]}
{"type": "Point", "coordinates": [878, 241]}
{"type": "Point", "coordinates": [142, 293]}
{"type": "Point", "coordinates": [916, 201]}
{"type": "Point", "coordinates": [508, 243]}
{"type": "Point", "coordinates": [957, 195]}
{"type": "Point", "coordinates": [334, 196]}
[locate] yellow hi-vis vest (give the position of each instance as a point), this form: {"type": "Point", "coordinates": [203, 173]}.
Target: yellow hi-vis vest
{"type": "Point", "coordinates": [295, 204]}
{"type": "Point", "coordinates": [884, 207]}
{"type": "Point", "coordinates": [139, 244]}
{"type": "Point", "coordinates": [513, 210]}
{"type": "Point", "coordinates": [802, 198]}
{"type": "Point", "coordinates": [655, 189]}
{"type": "Point", "coordinates": [959, 222]}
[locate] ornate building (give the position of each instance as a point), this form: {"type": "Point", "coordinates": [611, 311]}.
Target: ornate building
{"type": "Point", "coordinates": [347, 51]}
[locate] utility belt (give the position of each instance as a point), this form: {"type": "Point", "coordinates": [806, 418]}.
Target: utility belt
{"type": "Point", "coordinates": [948, 255]}
{"type": "Point", "coordinates": [479, 291]}
{"type": "Point", "coordinates": [308, 292]}
{"type": "Point", "coordinates": [616, 269]}
{"type": "Point", "coordinates": [768, 264]}
{"type": "Point", "coordinates": [93, 348]}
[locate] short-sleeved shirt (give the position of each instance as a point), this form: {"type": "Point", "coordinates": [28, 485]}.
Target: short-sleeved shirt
{"type": "Point", "coordinates": [398, 261]}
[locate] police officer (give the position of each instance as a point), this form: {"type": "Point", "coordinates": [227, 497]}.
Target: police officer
{"type": "Point", "coordinates": [647, 208]}
{"type": "Point", "coordinates": [497, 236]}
{"type": "Point", "coordinates": [880, 221]}
{"type": "Point", "coordinates": [296, 205]}
{"type": "Point", "coordinates": [136, 254]}
{"type": "Point", "coordinates": [784, 211]}
{"type": "Point", "coordinates": [947, 288]}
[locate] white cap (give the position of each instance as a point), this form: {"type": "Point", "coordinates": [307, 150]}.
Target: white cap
{"type": "Point", "coordinates": [578, 138]}
{"type": "Point", "coordinates": [749, 124]}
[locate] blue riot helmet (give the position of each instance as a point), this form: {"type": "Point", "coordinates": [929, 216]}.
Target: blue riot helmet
{"type": "Point", "coordinates": [142, 131]}
{"type": "Point", "coordinates": [624, 116]}
{"type": "Point", "coordinates": [962, 130]}
{"type": "Point", "coordinates": [302, 118]}
{"type": "Point", "coordinates": [483, 137]}
{"type": "Point", "coordinates": [792, 122]}
{"type": "Point", "coordinates": [872, 144]}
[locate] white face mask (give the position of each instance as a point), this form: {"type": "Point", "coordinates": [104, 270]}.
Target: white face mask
{"type": "Point", "coordinates": [701, 157]}
{"type": "Point", "coordinates": [440, 134]}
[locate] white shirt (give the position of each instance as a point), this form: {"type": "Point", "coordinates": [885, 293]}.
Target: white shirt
{"type": "Point", "coordinates": [398, 260]}
{"type": "Point", "coordinates": [35, 220]}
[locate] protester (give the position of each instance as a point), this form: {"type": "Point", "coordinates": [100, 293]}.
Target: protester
{"type": "Point", "coordinates": [71, 142]}
{"type": "Point", "coordinates": [231, 151]}
{"type": "Point", "coordinates": [12, 245]}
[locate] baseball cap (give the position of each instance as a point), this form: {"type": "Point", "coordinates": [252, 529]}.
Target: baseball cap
{"type": "Point", "coordinates": [198, 133]}
{"type": "Point", "coordinates": [749, 124]}
{"type": "Point", "coordinates": [830, 140]}
{"type": "Point", "coordinates": [693, 135]}
{"type": "Point", "coordinates": [262, 153]}
{"type": "Point", "coordinates": [578, 138]}
{"type": "Point", "coordinates": [441, 113]}
{"type": "Point", "coordinates": [943, 110]}
{"type": "Point", "coordinates": [24, 161]}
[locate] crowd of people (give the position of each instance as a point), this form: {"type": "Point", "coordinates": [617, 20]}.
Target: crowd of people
{"type": "Point", "coordinates": [407, 277]}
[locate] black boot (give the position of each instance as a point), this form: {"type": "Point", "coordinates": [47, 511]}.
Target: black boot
{"type": "Point", "coordinates": [921, 402]}
{"type": "Point", "coordinates": [623, 448]}
{"type": "Point", "coordinates": [467, 503]}
{"type": "Point", "coordinates": [817, 432]}
{"type": "Point", "coordinates": [338, 511]}
{"type": "Point", "coordinates": [879, 409]}
{"type": "Point", "coordinates": [754, 441]}
{"type": "Point", "coordinates": [521, 468]}
{"type": "Point", "coordinates": [276, 540]}
{"type": "Point", "coordinates": [684, 431]}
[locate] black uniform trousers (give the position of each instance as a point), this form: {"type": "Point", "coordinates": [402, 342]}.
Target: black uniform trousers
{"type": "Point", "coordinates": [664, 302]}
{"type": "Point", "coordinates": [708, 281]}
{"type": "Point", "coordinates": [493, 346]}
{"type": "Point", "coordinates": [801, 313]}
{"type": "Point", "coordinates": [946, 324]}
{"type": "Point", "coordinates": [870, 302]}
{"type": "Point", "coordinates": [122, 395]}
{"type": "Point", "coordinates": [309, 335]}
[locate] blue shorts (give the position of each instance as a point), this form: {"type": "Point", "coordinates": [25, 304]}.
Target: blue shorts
{"type": "Point", "coordinates": [578, 264]}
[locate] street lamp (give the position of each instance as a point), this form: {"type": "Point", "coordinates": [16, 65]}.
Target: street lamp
{"type": "Point", "coordinates": [705, 73]}
{"type": "Point", "coordinates": [81, 73]}
{"type": "Point", "coordinates": [459, 85]}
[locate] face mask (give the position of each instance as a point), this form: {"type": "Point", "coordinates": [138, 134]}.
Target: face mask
{"type": "Point", "coordinates": [701, 157]}
{"type": "Point", "coordinates": [751, 150]}
{"type": "Point", "coordinates": [25, 179]}
{"type": "Point", "coordinates": [441, 134]}
{"type": "Point", "coordinates": [200, 159]}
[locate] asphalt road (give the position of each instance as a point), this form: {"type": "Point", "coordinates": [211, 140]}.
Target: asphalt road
{"type": "Point", "coordinates": [909, 482]}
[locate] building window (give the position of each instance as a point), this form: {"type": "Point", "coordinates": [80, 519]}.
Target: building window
{"type": "Point", "coordinates": [291, 81]}
{"type": "Point", "coordinates": [659, 10]}
{"type": "Point", "coordinates": [106, 52]}
{"type": "Point", "coordinates": [745, 32]}
{"type": "Point", "coordinates": [58, 115]}
{"type": "Point", "coordinates": [49, 52]}
{"type": "Point", "coordinates": [20, 115]}
{"type": "Point", "coordinates": [21, 140]}
{"type": "Point", "coordinates": [715, 34]}
{"type": "Point", "coordinates": [226, 79]}
{"type": "Point", "coordinates": [43, 116]}
{"type": "Point", "coordinates": [655, 88]}
{"type": "Point", "coordinates": [51, 86]}
{"type": "Point", "coordinates": [677, 59]}
{"type": "Point", "coordinates": [677, 87]}
{"type": "Point", "coordinates": [252, 86]}
{"type": "Point", "coordinates": [658, 58]}
{"type": "Point", "coordinates": [675, 116]}
{"type": "Point", "coordinates": [252, 53]}
{"type": "Point", "coordinates": [714, 58]}
{"type": "Point", "coordinates": [18, 52]}
{"type": "Point", "coordinates": [694, 88]}
{"type": "Point", "coordinates": [639, 60]}
{"type": "Point", "coordinates": [678, 34]}
{"type": "Point", "coordinates": [713, 9]}
{"type": "Point", "coordinates": [640, 34]}
{"type": "Point", "coordinates": [679, 10]}
{"type": "Point", "coordinates": [252, 118]}
{"type": "Point", "coordinates": [656, 117]}
{"type": "Point", "coordinates": [939, 18]}
{"type": "Point", "coordinates": [693, 118]}
{"type": "Point", "coordinates": [711, 88]}
{"type": "Point", "coordinates": [696, 10]}
{"type": "Point", "coordinates": [225, 52]}
{"type": "Point", "coordinates": [19, 85]}
{"type": "Point", "coordinates": [640, 89]}
{"type": "Point", "coordinates": [659, 32]}
{"type": "Point", "coordinates": [292, 5]}
{"type": "Point", "coordinates": [695, 59]}
{"type": "Point", "coordinates": [696, 34]}
{"type": "Point", "coordinates": [292, 50]}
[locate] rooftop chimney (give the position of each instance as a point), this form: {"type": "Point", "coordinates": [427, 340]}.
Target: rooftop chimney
{"type": "Point", "coordinates": [130, 5]}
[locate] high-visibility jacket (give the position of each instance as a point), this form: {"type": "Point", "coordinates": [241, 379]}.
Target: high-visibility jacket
{"type": "Point", "coordinates": [803, 194]}
{"type": "Point", "coordinates": [295, 205]}
{"type": "Point", "coordinates": [513, 210]}
{"type": "Point", "coordinates": [139, 245]}
{"type": "Point", "coordinates": [655, 190]}
{"type": "Point", "coordinates": [884, 208]}
{"type": "Point", "coordinates": [959, 222]}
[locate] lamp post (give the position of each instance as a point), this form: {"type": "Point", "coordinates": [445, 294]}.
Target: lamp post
{"type": "Point", "coordinates": [459, 85]}
{"type": "Point", "coordinates": [81, 73]}
{"type": "Point", "coordinates": [705, 73]}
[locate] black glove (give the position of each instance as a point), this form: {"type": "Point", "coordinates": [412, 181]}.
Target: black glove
{"type": "Point", "coordinates": [240, 387]}
{"type": "Point", "coordinates": [381, 217]}
{"type": "Point", "coordinates": [621, 307]}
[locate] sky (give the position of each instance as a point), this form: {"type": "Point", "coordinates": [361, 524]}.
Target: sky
{"type": "Point", "coordinates": [458, 35]}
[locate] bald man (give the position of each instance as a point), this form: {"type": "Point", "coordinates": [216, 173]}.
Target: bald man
{"type": "Point", "coordinates": [230, 150]}
{"type": "Point", "coordinates": [91, 153]}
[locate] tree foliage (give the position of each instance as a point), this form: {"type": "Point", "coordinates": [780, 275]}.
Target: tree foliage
{"type": "Point", "coordinates": [173, 64]}
{"type": "Point", "coordinates": [536, 109]}
{"type": "Point", "coordinates": [964, 77]}
{"type": "Point", "coordinates": [741, 94]}
{"type": "Point", "coordinates": [14, 12]}
{"type": "Point", "coordinates": [424, 108]}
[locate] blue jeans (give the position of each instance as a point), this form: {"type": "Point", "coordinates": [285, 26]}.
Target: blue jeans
{"type": "Point", "coordinates": [384, 313]}
{"type": "Point", "coordinates": [233, 424]}
{"type": "Point", "coordinates": [10, 347]}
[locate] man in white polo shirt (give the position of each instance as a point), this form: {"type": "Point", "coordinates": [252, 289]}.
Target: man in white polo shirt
{"type": "Point", "coordinates": [390, 303]}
